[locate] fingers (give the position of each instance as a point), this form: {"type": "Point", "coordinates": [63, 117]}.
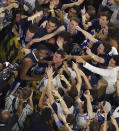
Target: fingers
{"type": "Point", "coordinates": [49, 71]}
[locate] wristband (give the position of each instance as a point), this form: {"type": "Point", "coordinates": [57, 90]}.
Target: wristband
{"type": "Point", "coordinates": [83, 16]}
{"type": "Point", "coordinates": [59, 99]}
{"type": "Point", "coordinates": [50, 10]}
{"type": "Point", "coordinates": [66, 123]}
{"type": "Point", "coordinates": [93, 57]}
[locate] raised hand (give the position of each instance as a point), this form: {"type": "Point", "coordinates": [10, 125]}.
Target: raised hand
{"type": "Point", "coordinates": [31, 94]}
{"type": "Point", "coordinates": [87, 94]}
{"type": "Point", "coordinates": [80, 60]}
{"type": "Point", "coordinates": [88, 51]}
{"type": "Point", "coordinates": [49, 72]}
{"type": "Point", "coordinates": [75, 66]}
{"type": "Point", "coordinates": [83, 11]}
{"type": "Point", "coordinates": [60, 42]}
{"type": "Point", "coordinates": [43, 25]}
{"type": "Point", "coordinates": [55, 93]}
{"type": "Point", "coordinates": [60, 13]}
{"type": "Point", "coordinates": [78, 28]}
{"type": "Point", "coordinates": [62, 77]}
{"type": "Point", "coordinates": [62, 117]}
{"type": "Point", "coordinates": [64, 6]}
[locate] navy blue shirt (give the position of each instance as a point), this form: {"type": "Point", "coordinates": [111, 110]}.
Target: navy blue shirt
{"type": "Point", "coordinates": [77, 37]}
{"type": "Point", "coordinates": [95, 26]}
{"type": "Point", "coordinates": [23, 41]}
{"type": "Point", "coordinates": [31, 70]}
{"type": "Point", "coordinates": [25, 24]}
{"type": "Point", "coordinates": [42, 32]}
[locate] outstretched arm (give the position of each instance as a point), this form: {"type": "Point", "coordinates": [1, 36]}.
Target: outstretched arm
{"type": "Point", "coordinates": [41, 100]}
{"type": "Point", "coordinates": [62, 77]}
{"type": "Point", "coordinates": [87, 35]}
{"type": "Point", "coordinates": [65, 6]}
{"type": "Point", "coordinates": [85, 79]}
{"type": "Point", "coordinates": [46, 37]}
{"type": "Point", "coordinates": [78, 86]}
{"type": "Point", "coordinates": [63, 104]}
{"type": "Point", "coordinates": [50, 85]}
{"type": "Point", "coordinates": [100, 71]}
{"type": "Point", "coordinates": [89, 105]}
{"type": "Point", "coordinates": [94, 57]}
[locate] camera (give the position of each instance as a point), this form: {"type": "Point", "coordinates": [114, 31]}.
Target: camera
{"type": "Point", "coordinates": [8, 70]}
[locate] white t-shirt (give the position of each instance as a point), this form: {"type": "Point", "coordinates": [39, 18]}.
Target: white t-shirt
{"type": "Point", "coordinates": [57, 81]}
{"type": "Point", "coordinates": [81, 120]}
{"type": "Point", "coordinates": [113, 51]}
{"type": "Point", "coordinates": [109, 74]}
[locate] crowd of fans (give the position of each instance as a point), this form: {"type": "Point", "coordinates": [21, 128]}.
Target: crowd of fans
{"type": "Point", "coordinates": [68, 76]}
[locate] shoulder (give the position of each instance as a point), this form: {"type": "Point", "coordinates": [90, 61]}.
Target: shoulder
{"type": "Point", "coordinates": [27, 60]}
{"type": "Point", "coordinates": [10, 98]}
{"type": "Point", "coordinates": [27, 109]}
{"type": "Point", "coordinates": [95, 21]}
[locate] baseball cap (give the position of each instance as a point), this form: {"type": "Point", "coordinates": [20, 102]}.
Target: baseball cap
{"type": "Point", "coordinates": [107, 106]}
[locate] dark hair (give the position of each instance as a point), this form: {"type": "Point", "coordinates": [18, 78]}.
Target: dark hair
{"type": "Point", "coordinates": [68, 100]}
{"type": "Point", "coordinates": [38, 9]}
{"type": "Point", "coordinates": [61, 52]}
{"type": "Point", "coordinates": [105, 13]}
{"type": "Point", "coordinates": [73, 92]}
{"type": "Point", "coordinates": [65, 35]}
{"type": "Point", "coordinates": [116, 58]}
{"type": "Point", "coordinates": [75, 7]}
{"type": "Point", "coordinates": [46, 114]}
{"type": "Point", "coordinates": [26, 92]}
{"type": "Point", "coordinates": [61, 91]}
{"type": "Point", "coordinates": [55, 21]}
{"type": "Point", "coordinates": [41, 47]}
{"type": "Point", "coordinates": [91, 11]}
{"type": "Point", "coordinates": [76, 19]}
{"type": "Point", "coordinates": [33, 28]}
{"type": "Point", "coordinates": [94, 125]}
{"type": "Point", "coordinates": [71, 119]}
{"type": "Point", "coordinates": [107, 46]}
{"type": "Point", "coordinates": [113, 32]}
{"type": "Point", "coordinates": [45, 5]}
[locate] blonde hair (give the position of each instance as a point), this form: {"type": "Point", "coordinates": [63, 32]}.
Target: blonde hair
{"type": "Point", "coordinates": [104, 83]}
{"type": "Point", "coordinates": [102, 88]}
{"type": "Point", "coordinates": [63, 128]}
